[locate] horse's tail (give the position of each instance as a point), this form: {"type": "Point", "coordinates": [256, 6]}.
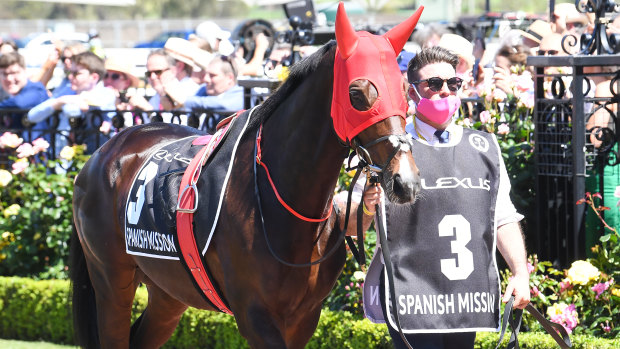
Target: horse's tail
{"type": "Point", "coordinates": [83, 297]}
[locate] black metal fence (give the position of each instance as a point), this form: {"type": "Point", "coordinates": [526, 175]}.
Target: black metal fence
{"type": "Point", "coordinates": [95, 127]}
{"type": "Point", "coordinates": [575, 138]}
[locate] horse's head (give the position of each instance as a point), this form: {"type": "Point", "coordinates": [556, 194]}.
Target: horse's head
{"type": "Point", "coordinates": [369, 103]}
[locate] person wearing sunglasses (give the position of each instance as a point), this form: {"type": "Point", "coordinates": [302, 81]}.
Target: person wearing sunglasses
{"type": "Point", "coordinates": [160, 71]}
{"type": "Point", "coordinates": [120, 78]}
{"type": "Point", "coordinates": [442, 246]}
{"type": "Point", "coordinates": [85, 76]}
{"type": "Point", "coordinates": [551, 45]}
{"type": "Point", "coordinates": [222, 91]}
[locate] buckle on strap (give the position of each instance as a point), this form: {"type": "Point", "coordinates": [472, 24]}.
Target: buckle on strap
{"type": "Point", "coordinates": [183, 198]}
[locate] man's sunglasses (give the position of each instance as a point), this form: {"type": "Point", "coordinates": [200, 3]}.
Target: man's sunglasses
{"type": "Point", "coordinates": [436, 83]}
{"type": "Point", "coordinates": [113, 76]}
{"type": "Point", "coordinates": [230, 61]}
{"type": "Point", "coordinates": [548, 52]}
{"type": "Point", "coordinates": [148, 73]}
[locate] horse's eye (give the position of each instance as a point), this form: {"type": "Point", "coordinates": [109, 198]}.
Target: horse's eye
{"type": "Point", "coordinates": [362, 94]}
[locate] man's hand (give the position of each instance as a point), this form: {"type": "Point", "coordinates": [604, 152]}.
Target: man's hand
{"type": "Point", "coordinates": [519, 286]}
{"type": "Point", "coordinates": [139, 102]}
{"type": "Point", "coordinates": [372, 196]}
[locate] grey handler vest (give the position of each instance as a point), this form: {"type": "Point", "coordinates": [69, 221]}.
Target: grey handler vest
{"type": "Point", "coordinates": [443, 245]}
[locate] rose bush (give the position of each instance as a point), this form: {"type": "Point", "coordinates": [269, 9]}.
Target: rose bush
{"type": "Point", "coordinates": [585, 298]}
{"type": "Point", "coordinates": [36, 208]}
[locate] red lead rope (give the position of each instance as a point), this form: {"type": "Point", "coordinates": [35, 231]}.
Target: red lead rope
{"type": "Point", "coordinates": [275, 191]}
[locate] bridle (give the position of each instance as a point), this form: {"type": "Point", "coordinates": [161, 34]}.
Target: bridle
{"type": "Point", "coordinates": [364, 156]}
{"type": "Point", "coordinates": [365, 164]}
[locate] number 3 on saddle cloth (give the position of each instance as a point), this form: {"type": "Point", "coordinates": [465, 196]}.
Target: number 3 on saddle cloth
{"type": "Point", "coordinates": [153, 206]}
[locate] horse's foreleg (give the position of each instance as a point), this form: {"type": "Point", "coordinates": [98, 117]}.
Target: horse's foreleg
{"type": "Point", "coordinates": [300, 330]}
{"type": "Point", "coordinates": [158, 321]}
{"type": "Point", "coordinates": [258, 326]}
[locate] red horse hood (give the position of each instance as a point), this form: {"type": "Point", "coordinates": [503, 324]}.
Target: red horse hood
{"type": "Point", "coordinates": [361, 55]}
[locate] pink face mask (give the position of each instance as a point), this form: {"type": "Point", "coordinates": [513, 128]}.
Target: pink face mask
{"type": "Point", "coordinates": [438, 111]}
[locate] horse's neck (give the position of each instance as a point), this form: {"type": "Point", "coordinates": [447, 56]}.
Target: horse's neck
{"type": "Point", "coordinates": [305, 154]}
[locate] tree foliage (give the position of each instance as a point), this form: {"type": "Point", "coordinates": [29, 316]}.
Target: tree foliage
{"type": "Point", "coordinates": [14, 9]}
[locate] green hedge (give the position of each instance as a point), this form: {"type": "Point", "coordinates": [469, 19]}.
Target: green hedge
{"type": "Point", "coordinates": [38, 310]}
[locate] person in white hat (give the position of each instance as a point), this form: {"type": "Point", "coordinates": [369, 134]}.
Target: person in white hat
{"type": "Point", "coordinates": [183, 51]}
{"type": "Point", "coordinates": [222, 91]}
{"type": "Point", "coordinates": [534, 33]}
{"type": "Point", "coordinates": [161, 72]}
{"type": "Point", "coordinates": [119, 77]}
{"type": "Point", "coordinates": [217, 38]}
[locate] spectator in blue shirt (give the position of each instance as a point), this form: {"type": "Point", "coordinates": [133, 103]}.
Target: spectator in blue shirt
{"type": "Point", "coordinates": [23, 93]}
{"type": "Point", "coordinates": [86, 73]}
{"type": "Point", "coordinates": [223, 92]}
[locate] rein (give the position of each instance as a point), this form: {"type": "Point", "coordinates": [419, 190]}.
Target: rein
{"type": "Point", "coordinates": [367, 164]}
{"type": "Point", "coordinates": [258, 156]}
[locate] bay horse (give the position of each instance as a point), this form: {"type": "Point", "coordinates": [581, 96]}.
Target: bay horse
{"type": "Point", "coordinates": [346, 95]}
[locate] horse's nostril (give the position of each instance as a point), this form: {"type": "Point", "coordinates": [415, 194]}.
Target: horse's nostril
{"type": "Point", "coordinates": [403, 190]}
{"type": "Point", "coordinates": [399, 186]}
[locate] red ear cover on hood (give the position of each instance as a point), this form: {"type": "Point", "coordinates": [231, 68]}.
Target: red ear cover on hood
{"type": "Point", "coordinates": [346, 37]}
{"type": "Point", "coordinates": [361, 55]}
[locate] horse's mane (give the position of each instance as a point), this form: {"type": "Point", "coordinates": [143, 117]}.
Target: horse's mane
{"type": "Point", "coordinates": [297, 74]}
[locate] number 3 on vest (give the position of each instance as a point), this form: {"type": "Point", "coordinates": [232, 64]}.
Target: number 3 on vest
{"type": "Point", "coordinates": [457, 225]}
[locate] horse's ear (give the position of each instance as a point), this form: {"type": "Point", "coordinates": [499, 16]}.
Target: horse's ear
{"type": "Point", "coordinates": [399, 35]}
{"type": "Point", "coordinates": [346, 38]}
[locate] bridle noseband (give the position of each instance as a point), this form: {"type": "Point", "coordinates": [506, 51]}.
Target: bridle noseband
{"type": "Point", "coordinates": [365, 160]}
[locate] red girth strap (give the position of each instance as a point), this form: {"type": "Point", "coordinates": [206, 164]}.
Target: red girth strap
{"type": "Point", "coordinates": [188, 203]}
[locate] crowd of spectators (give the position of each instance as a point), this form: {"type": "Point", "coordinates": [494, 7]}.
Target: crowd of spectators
{"type": "Point", "coordinates": [202, 72]}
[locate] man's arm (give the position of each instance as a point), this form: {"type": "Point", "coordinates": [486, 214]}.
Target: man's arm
{"type": "Point", "coordinates": [512, 247]}
{"type": "Point", "coordinates": [42, 111]}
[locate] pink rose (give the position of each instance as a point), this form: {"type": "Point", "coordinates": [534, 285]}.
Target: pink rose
{"type": "Point", "coordinates": [485, 116]}
{"type": "Point", "coordinates": [503, 129]}
{"type": "Point", "coordinates": [524, 82]}
{"type": "Point", "coordinates": [530, 267]}
{"type": "Point", "coordinates": [25, 150]}
{"type": "Point", "coordinates": [600, 288]}
{"type": "Point", "coordinates": [19, 166]}
{"type": "Point", "coordinates": [10, 140]}
{"type": "Point", "coordinates": [528, 100]}
{"type": "Point", "coordinates": [40, 145]}
{"type": "Point", "coordinates": [499, 95]}
{"type": "Point", "coordinates": [565, 285]}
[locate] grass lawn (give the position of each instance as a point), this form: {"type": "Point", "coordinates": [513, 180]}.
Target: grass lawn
{"type": "Point", "coordinates": [15, 344]}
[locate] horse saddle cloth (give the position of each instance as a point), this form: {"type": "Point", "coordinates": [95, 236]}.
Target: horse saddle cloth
{"type": "Point", "coordinates": [150, 221]}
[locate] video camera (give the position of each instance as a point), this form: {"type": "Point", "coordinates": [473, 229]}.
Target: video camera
{"type": "Point", "coordinates": [301, 17]}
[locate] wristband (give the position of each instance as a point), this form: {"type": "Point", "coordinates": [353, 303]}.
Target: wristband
{"type": "Point", "coordinates": [368, 213]}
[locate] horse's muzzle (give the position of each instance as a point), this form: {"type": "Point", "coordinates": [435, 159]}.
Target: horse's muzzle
{"type": "Point", "coordinates": [401, 179]}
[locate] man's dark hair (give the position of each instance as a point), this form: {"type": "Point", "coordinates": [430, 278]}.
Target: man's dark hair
{"type": "Point", "coordinates": [90, 61]}
{"type": "Point", "coordinates": [10, 58]}
{"type": "Point", "coordinates": [428, 56]}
